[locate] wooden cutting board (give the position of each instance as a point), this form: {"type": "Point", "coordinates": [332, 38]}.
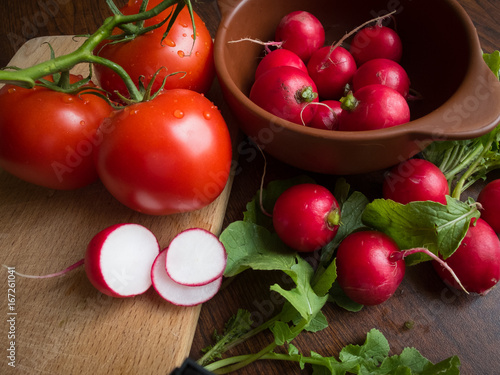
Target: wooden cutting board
{"type": "Point", "coordinates": [63, 325]}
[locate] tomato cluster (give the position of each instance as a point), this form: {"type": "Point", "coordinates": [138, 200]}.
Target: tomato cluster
{"type": "Point", "coordinates": [169, 153]}
{"type": "Point", "coordinates": [360, 88]}
{"type": "Point", "coordinates": [184, 59]}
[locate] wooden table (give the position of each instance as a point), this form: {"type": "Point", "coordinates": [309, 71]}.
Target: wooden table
{"type": "Point", "coordinates": [445, 323]}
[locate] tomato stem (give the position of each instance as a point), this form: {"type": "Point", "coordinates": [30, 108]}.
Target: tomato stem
{"type": "Point", "coordinates": [27, 77]}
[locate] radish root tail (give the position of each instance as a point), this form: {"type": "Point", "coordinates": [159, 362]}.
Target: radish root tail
{"type": "Point", "coordinates": [56, 274]}
{"type": "Point", "coordinates": [405, 253]}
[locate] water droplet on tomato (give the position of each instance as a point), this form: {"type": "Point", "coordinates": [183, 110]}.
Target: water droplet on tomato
{"type": "Point", "coordinates": [178, 113]}
{"type": "Point", "coordinates": [184, 35]}
{"type": "Point", "coordinates": [180, 53]}
{"type": "Point", "coordinates": [82, 123]}
{"type": "Point", "coordinates": [184, 24]}
{"type": "Point", "coordinates": [67, 99]}
{"type": "Point", "coordinates": [197, 53]}
{"type": "Point", "coordinates": [207, 115]}
{"type": "Point", "coordinates": [11, 90]}
{"type": "Point", "coordinates": [169, 42]}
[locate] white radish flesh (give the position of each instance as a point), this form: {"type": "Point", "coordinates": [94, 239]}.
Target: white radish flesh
{"type": "Point", "coordinates": [118, 260]}
{"type": "Point", "coordinates": [178, 294]}
{"type": "Point", "coordinates": [195, 257]}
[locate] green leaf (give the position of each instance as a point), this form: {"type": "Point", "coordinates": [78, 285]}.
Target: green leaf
{"type": "Point", "coordinates": [235, 327]}
{"type": "Point", "coordinates": [372, 358]}
{"type": "Point", "coordinates": [338, 296]}
{"type": "Point", "coordinates": [318, 323]}
{"type": "Point", "coordinates": [251, 246]}
{"type": "Point", "coordinates": [493, 62]}
{"type": "Point", "coordinates": [410, 358]}
{"type": "Point", "coordinates": [449, 366]}
{"type": "Point", "coordinates": [350, 221]}
{"type": "Point", "coordinates": [437, 227]}
{"type": "Point", "coordinates": [324, 279]}
{"type": "Point", "coordinates": [370, 354]}
{"type": "Point", "coordinates": [282, 333]}
{"type": "Point", "coordinates": [302, 297]}
{"type": "Point", "coordinates": [341, 191]}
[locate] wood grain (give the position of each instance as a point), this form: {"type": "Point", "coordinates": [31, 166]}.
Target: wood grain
{"type": "Point", "coordinates": [63, 325]}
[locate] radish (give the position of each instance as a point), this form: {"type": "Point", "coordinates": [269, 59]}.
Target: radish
{"type": "Point", "coordinates": [373, 107]}
{"type": "Point", "coordinates": [124, 260]}
{"type": "Point", "coordinates": [195, 257]}
{"type": "Point", "coordinates": [300, 32]}
{"type": "Point", "coordinates": [119, 258]}
{"type": "Point", "coordinates": [365, 271]}
{"type": "Point", "coordinates": [327, 115]}
{"type": "Point", "coordinates": [370, 266]}
{"type": "Point", "coordinates": [284, 92]}
{"type": "Point", "coordinates": [415, 180]}
{"type": "Point", "coordinates": [489, 198]}
{"type": "Point", "coordinates": [476, 262]}
{"type": "Point", "coordinates": [178, 294]}
{"type": "Point", "coordinates": [280, 57]}
{"type": "Point", "coordinates": [374, 42]}
{"type": "Point", "coordinates": [331, 69]}
{"type": "Point", "coordinates": [383, 71]}
{"type": "Point", "coordinates": [306, 217]}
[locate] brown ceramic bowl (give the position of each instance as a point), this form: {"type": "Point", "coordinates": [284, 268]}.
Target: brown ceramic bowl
{"type": "Point", "coordinates": [441, 54]}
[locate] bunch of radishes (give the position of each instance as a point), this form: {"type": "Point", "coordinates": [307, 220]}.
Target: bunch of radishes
{"type": "Point", "coordinates": [370, 265]}
{"type": "Point", "coordinates": [330, 87]}
{"type": "Point", "coordinates": [125, 260]}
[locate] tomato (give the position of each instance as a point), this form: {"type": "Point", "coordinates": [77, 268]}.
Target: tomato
{"type": "Point", "coordinates": [146, 54]}
{"type": "Point", "coordinates": [47, 138]}
{"type": "Point", "coordinates": [168, 155]}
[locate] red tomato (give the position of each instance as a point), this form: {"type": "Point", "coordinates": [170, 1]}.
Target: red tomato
{"type": "Point", "coordinates": [146, 54]}
{"type": "Point", "coordinates": [168, 155]}
{"type": "Point", "coordinates": [47, 137]}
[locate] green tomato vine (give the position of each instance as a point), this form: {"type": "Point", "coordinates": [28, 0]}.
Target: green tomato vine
{"type": "Point", "coordinates": [131, 26]}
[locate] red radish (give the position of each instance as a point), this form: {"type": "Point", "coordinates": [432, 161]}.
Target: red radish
{"type": "Point", "coordinates": [300, 32]}
{"type": "Point", "coordinates": [476, 262]}
{"type": "Point", "coordinates": [306, 217]}
{"type": "Point", "coordinates": [178, 294]}
{"type": "Point", "coordinates": [489, 197]}
{"type": "Point", "coordinates": [415, 180]}
{"type": "Point", "coordinates": [383, 71]}
{"type": "Point", "coordinates": [374, 42]}
{"type": "Point", "coordinates": [195, 257]}
{"type": "Point", "coordinates": [284, 92]}
{"type": "Point", "coordinates": [370, 266]}
{"type": "Point", "coordinates": [331, 69]}
{"type": "Point", "coordinates": [327, 115]}
{"type": "Point", "coordinates": [280, 57]}
{"type": "Point", "coordinates": [119, 258]}
{"type": "Point", "coordinates": [373, 107]}
{"type": "Point", "coordinates": [365, 271]}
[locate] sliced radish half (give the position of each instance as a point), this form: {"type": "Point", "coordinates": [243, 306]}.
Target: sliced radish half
{"type": "Point", "coordinates": [195, 257]}
{"type": "Point", "coordinates": [178, 294]}
{"type": "Point", "coordinates": [118, 260]}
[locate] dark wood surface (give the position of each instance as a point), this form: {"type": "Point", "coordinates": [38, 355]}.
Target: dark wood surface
{"type": "Point", "coordinates": [445, 323]}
